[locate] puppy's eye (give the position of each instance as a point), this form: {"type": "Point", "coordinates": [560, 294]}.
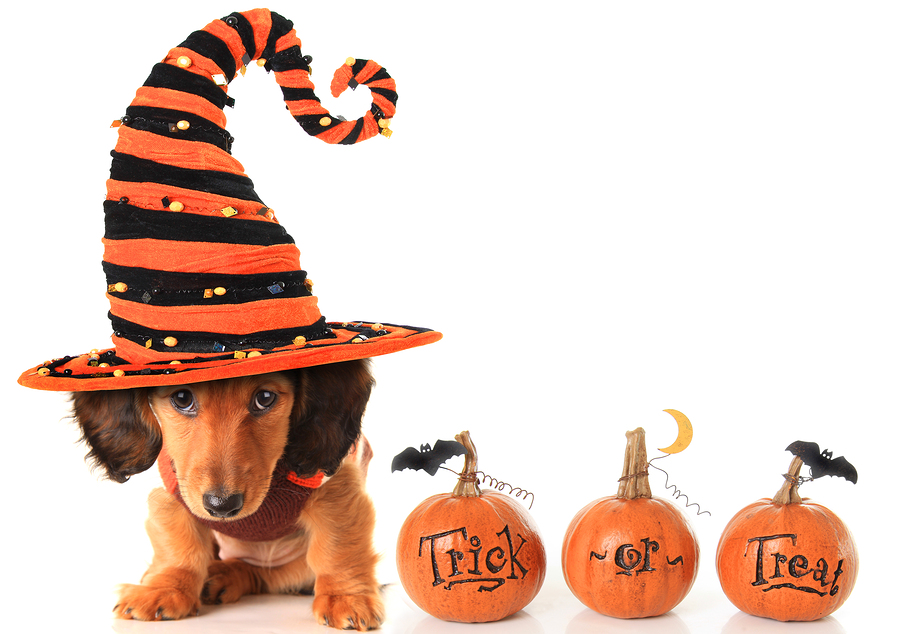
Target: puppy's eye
{"type": "Point", "coordinates": [264, 399]}
{"type": "Point", "coordinates": [183, 400]}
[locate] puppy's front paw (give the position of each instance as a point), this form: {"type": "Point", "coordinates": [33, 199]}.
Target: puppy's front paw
{"type": "Point", "coordinates": [361, 612]}
{"type": "Point", "coordinates": [227, 581]}
{"type": "Point", "coordinates": [145, 603]}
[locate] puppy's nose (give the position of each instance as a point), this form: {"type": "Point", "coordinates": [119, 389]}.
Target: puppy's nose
{"type": "Point", "coordinates": [222, 505]}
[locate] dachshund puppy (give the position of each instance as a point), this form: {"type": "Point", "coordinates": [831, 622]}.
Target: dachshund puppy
{"type": "Point", "coordinates": [265, 489]}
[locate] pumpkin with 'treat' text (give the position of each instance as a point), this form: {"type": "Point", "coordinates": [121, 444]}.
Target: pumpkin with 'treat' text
{"type": "Point", "coordinates": [787, 558]}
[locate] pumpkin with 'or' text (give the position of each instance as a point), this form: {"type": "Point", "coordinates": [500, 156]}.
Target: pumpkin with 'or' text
{"type": "Point", "coordinates": [470, 556]}
{"type": "Point", "coordinates": [630, 555]}
{"type": "Point", "coordinates": [787, 558]}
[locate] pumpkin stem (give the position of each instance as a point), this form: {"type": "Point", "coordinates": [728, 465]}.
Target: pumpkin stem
{"type": "Point", "coordinates": [467, 486]}
{"type": "Point", "coordinates": [788, 493]}
{"type": "Point", "coordinates": [635, 483]}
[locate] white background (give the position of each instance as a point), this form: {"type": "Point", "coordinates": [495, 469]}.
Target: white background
{"type": "Point", "coordinates": [609, 209]}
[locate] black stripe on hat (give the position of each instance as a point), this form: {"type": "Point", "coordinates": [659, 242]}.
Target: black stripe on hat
{"type": "Point", "coordinates": [379, 75]}
{"type": "Point", "coordinates": [289, 59]}
{"type": "Point", "coordinates": [281, 26]}
{"type": "Point", "coordinates": [208, 342]}
{"type": "Point", "coordinates": [177, 78]}
{"type": "Point", "coordinates": [242, 25]}
{"type": "Point", "coordinates": [298, 94]}
{"type": "Point", "coordinates": [215, 49]}
{"type": "Point", "coordinates": [137, 170]}
{"type": "Point", "coordinates": [390, 95]}
{"type": "Point", "coordinates": [160, 120]}
{"type": "Point", "coordinates": [311, 123]}
{"type": "Point", "coordinates": [126, 222]}
{"type": "Point", "coordinates": [352, 137]}
{"type": "Point", "coordinates": [168, 288]}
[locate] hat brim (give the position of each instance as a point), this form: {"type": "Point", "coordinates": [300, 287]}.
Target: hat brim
{"type": "Point", "coordinates": [104, 370]}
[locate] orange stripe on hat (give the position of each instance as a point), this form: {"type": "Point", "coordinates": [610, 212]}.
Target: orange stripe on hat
{"type": "Point", "coordinates": [368, 70]}
{"type": "Point", "coordinates": [341, 77]}
{"type": "Point", "coordinates": [261, 21]}
{"type": "Point", "coordinates": [226, 319]}
{"type": "Point", "coordinates": [307, 106]}
{"type": "Point", "coordinates": [202, 257]}
{"type": "Point", "coordinates": [150, 196]}
{"type": "Point", "coordinates": [177, 100]}
{"type": "Point", "coordinates": [370, 127]}
{"type": "Point", "coordinates": [296, 78]}
{"type": "Point", "coordinates": [287, 40]}
{"type": "Point", "coordinates": [178, 152]}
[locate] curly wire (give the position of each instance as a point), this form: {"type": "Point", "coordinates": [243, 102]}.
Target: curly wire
{"type": "Point", "coordinates": [517, 492]}
{"type": "Point", "coordinates": [677, 492]}
{"type": "Point", "coordinates": [494, 483]}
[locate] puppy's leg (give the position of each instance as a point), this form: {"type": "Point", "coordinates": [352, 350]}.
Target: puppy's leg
{"type": "Point", "coordinates": [231, 579]}
{"type": "Point", "coordinates": [340, 519]}
{"type": "Point", "coordinates": [182, 550]}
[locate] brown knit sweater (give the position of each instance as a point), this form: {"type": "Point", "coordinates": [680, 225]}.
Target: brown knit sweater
{"type": "Point", "coordinates": [275, 518]}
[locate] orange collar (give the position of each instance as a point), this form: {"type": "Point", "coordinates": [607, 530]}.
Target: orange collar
{"type": "Point", "coordinates": [310, 483]}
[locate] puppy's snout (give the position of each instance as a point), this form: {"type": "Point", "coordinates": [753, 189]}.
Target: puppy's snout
{"type": "Point", "coordinates": [218, 504]}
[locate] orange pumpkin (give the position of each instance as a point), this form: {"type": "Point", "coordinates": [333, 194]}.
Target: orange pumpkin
{"type": "Point", "coordinates": [630, 555]}
{"type": "Point", "coordinates": [787, 558]}
{"type": "Point", "coordinates": [470, 556]}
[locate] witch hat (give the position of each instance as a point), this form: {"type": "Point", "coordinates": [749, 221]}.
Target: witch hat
{"type": "Point", "coordinates": [203, 282]}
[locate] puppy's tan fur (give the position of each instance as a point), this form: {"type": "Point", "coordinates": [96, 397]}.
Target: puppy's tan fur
{"type": "Point", "coordinates": [228, 445]}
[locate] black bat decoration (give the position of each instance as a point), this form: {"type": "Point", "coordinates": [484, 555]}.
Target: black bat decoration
{"type": "Point", "coordinates": [821, 463]}
{"type": "Point", "coordinates": [426, 458]}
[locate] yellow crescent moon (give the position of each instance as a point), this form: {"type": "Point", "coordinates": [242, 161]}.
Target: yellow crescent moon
{"type": "Point", "coordinates": [685, 432]}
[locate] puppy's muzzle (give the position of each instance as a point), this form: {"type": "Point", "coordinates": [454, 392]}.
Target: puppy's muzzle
{"type": "Point", "coordinates": [218, 504]}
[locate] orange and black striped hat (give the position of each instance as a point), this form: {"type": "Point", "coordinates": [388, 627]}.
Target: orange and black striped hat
{"type": "Point", "coordinates": [203, 282]}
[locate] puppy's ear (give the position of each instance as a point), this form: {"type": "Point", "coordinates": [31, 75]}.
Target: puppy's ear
{"type": "Point", "coordinates": [327, 418]}
{"type": "Point", "coordinates": [120, 429]}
